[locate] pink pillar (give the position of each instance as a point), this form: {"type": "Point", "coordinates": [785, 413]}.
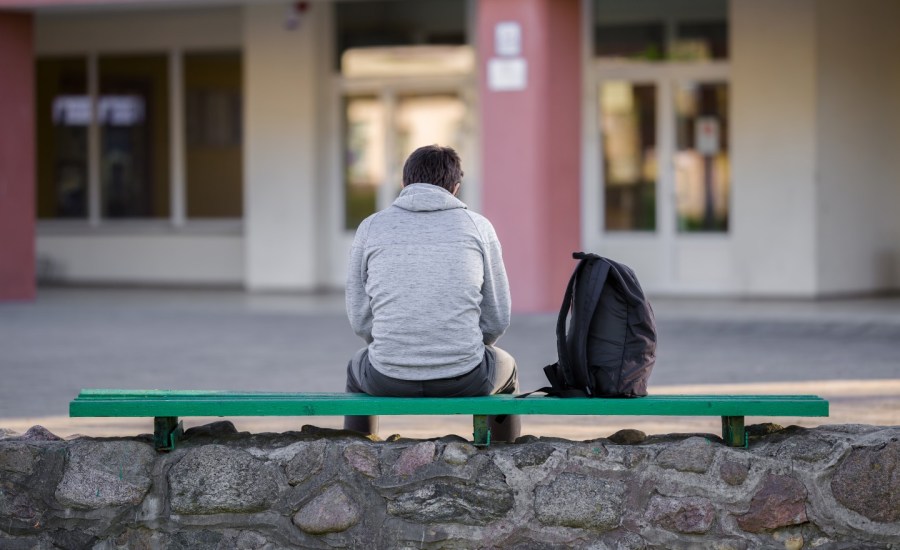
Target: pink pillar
{"type": "Point", "coordinates": [531, 141]}
{"type": "Point", "coordinates": [17, 160]}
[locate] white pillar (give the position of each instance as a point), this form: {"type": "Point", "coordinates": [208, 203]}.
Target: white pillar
{"type": "Point", "coordinates": [858, 136]}
{"type": "Point", "coordinates": [816, 138]}
{"type": "Point", "coordinates": [280, 140]}
{"type": "Point", "coordinates": [773, 67]}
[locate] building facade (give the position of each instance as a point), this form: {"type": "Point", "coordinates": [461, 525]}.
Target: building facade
{"type": "Point", "coordinates": [740, 148]}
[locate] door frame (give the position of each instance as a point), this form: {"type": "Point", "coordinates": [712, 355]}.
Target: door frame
{"type": "Point", "coordinates": [388, 90]}
{"type": "Point", "coordinates": [665, 241]}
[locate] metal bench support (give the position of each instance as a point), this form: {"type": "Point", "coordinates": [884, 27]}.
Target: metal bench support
{"type": "Point", "coordinates": [733, 431]}
{"type": "Point", "coordinates": [166, 432]}
{"type": "Point", "coordinates": [482, 432]}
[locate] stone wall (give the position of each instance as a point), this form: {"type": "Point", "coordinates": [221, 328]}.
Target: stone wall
{"type": "Point", "coordinates": [829, 487]}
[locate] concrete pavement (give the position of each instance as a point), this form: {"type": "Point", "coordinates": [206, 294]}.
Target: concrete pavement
{"type": "Point", "coordinates": [73, 338]}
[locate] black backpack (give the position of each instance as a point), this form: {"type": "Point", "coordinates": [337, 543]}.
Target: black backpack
{"type": "Point", "coordinates": [609, 348]}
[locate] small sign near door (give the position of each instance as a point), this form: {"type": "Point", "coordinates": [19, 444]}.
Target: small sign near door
{"type": "Point", "coordinates": [508, 71]}
{"type": "Point", "coordinates": [707, 135]}
{"type": "Point", "coordinates": [507, 75]}
{"type": "Point", "coordinates": [508, 39]}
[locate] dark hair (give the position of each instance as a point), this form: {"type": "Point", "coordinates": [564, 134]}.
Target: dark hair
{"type": "Point", "coordinates": [435, 165]}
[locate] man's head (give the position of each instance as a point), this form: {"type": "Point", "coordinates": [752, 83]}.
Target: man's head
{"type": "Point", "coordinates": [435, 165]}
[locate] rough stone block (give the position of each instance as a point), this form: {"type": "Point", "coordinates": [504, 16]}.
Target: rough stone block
{"type": "Point", "coordinates": [307, 462]}
{"type": "Point", "coordinates": [363, 459]}
{"type": "Point", "coordinates": [39, 433]}
{"type": "Point", "coordinates": [458, 453]}
{"type": "Point", "coordinates": [573, 500]}
{"type": "Point", "coordinates": [533, 455]}
{"type": "Point", "coordinates": [106, 473]}
{"type": "Point", "coordinates": [596, 451]}
{"type": "Point", "coordinates": [454, 501]}
{"type": "Point", "coordinates": [413, 458]}
{"type": "Point", "coordinates": [18, 458]}
{"type": "Point", "coordinates": [685, 515]}
{"type": "Point", "coordinates": [633, 457]}
{"type": "Point", "coordinates": [332, 511]}
{"type": "Point", "coordinates": [628, 437]}
{"type": "Point", "coordinates": [694, 454]}
{"type": "Point", "coordinates": [804, 448]}
{"type": "Point", "coordinates": [188, 540]}
{"type": "Point", "coordinates": [868, 482]}
{"type": "Point", "coordinates": [213, 429]}
{"type": "Point", "coordinates": [780, 501]}
{"type": "Point", "coordinates": [214, 479]}
{"type": "Point", "coordinates": [733, 472]}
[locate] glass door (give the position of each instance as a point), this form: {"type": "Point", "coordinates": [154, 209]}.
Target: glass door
{"type": "Point", "coordinates": [380, 131]}
{"type": "Point", "coordinates": [657, 189]}
{"type": "Point", "coordinates": [702, 160]}
{"type": "Point", "coordinates": [628, 120]}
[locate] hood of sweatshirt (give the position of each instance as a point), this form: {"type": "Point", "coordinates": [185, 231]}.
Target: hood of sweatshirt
{"type": "Point", "coordinates": [425, 197]}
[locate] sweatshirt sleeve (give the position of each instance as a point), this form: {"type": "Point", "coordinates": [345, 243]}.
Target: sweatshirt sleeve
{"type": "Point", "coordinates": [359, 309]}
{"type": "Point", "coordinates": [495, 299]}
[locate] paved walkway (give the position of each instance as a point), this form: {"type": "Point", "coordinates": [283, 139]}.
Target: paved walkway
{"type": "Point", "coordinates": [77, 338]}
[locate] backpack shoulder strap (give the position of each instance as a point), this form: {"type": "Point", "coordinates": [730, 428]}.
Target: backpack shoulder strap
{"type": "Point", "coordinates": [561, 347]}
{"type": "Point", "coordinates": [588, 291]}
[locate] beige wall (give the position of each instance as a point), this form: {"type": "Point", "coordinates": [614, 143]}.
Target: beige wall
{"type": "Point", "coordinates": [817, 145]}
{"type": "Point", "coordinates": [774, 146]}
{"type": "Point", "coordinates": [858, 135]}
{"type": "Point", "coordinates": [118, 255]}
{"type": "Point", "coordinates": [138, 31]}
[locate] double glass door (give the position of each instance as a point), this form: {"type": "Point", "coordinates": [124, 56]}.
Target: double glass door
{"type": "Point", "coordinates": [661, 179]}
{"type": "Point", "coordinates": [381, 130]}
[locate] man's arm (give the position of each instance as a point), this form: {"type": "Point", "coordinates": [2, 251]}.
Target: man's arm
{"type": "Point", "coordinates": [359, 310]}
{"type": "Point", "coordinates": [495, 300]}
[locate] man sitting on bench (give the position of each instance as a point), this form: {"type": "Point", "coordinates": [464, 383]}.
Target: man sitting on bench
{"type": "Point", "coordinates": [427, 291]}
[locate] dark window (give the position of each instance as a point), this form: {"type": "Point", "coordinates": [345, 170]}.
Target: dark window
{"type": "Point", "coordinates": [682, 30]}
{"type": "Point", "coordinates": [713, 36]}
{"type": "Point", "coordinates": [63, 116]}
{"type": "Point", "coordinates": [638, 41]}
{"type": "Point", "coordinates": [399, 23]}
{"type": "Point", "coordinates": [133, 113]}
{"type": "Point", "coordinates": [213, 157]}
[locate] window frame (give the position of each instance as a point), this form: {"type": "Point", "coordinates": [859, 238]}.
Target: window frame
{"type": "Point", "coordinates": [177, 170]}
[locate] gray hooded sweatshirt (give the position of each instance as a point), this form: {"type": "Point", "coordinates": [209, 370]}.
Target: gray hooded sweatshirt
{"type": "Point", "coordinates": [426, 286]}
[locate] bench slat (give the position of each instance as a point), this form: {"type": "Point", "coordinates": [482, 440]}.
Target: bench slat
{"type": "Point", "coordinates": [90, 394]}
{"type": "Point", "coordinates": [155, 403]}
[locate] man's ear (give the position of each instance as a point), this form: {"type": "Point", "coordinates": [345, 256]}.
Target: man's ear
{"type": "Point", "coordinates": [456, 189]}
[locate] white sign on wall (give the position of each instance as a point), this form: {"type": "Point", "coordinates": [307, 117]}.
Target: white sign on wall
{"type": "Point", "coordinates": [507, 75]}
{"type": "Point", "coordinates": [508, 39]}
{"type": "Point", "coordinates": [707, 135]}
{"type": "Point", "coordinates": [508, 71]}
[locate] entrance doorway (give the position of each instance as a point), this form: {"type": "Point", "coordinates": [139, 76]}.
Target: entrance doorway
{"type": "Point", "coordinates": [657, 177]}
{"type": "Point", "coordinates": [380, 131]}
{"type": "Point", "coordinates": [380, 122]}
{"type": "Point", "coordinates": [403, 76]}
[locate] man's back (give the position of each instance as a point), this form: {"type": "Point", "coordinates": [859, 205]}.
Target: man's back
{"type": "Point", "coordinates": [426, 286]}
{"type": "Point", "coordinates": [427, 291]}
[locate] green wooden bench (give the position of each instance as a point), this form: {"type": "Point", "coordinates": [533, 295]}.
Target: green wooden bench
{"type": "Point", "coordinates": [166, 406]}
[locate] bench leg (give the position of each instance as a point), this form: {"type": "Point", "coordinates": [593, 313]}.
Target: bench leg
{"type": "Point", "coordinates": [482, 432]}
{"type": "Point", "coordinates": [166, 431]}
{"type": "Point", "coordinates": [733, 431]}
